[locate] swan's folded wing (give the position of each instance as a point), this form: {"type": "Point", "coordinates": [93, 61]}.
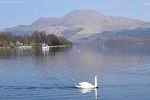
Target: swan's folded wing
{"type": "Point", "coordinates": [85, 84]}
{"type": "Point", "coordinates": [82, 83]}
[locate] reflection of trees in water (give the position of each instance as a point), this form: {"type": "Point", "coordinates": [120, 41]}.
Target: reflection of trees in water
{"type": "Point", "coordinates": [5, 52]}
{"type": "Point", "coordinates": [37, 51]}
{"type": "Point", "coordinates": [54, 51]}
{"type": "Point", "coordinates": [14, 52]}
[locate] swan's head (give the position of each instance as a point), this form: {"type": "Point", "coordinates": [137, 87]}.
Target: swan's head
{"type": "Point", "coordinates": [96, 77]}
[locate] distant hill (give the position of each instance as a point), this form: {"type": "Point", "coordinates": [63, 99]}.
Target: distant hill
{"type": "Point", "coordinates": [79, 25]}
{"type": "Point", "coordinates": [123, 38]}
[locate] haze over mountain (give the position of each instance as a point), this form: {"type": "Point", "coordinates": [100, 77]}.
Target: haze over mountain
{"type": "Point", "coordinates": [81, 24]}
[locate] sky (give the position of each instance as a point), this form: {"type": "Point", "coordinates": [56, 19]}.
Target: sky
{"type": "Point", "coordinates": [24, 12]}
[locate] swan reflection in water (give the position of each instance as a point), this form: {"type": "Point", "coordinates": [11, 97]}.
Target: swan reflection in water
{"type": "Point", "coordinates": [91, 90]}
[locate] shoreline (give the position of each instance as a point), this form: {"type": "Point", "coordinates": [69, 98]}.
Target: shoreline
{"type": "Point", "coordinates": [32, 46]}
{"type": "Point", "coordinates": [57, 46]}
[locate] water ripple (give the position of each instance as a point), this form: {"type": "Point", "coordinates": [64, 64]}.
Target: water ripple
{"type": "Point", "coordinates": [35, 87]}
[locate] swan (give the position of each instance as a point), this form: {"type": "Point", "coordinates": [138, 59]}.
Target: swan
{"type": "Point", "coordinates": [86, 85]}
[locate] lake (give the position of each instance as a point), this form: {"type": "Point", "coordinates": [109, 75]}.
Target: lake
{"type": "Point", "coordinates": [33, 74]}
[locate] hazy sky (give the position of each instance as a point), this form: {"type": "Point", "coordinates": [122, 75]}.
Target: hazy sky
{"type": "Point", "coordinates": [16, 12]}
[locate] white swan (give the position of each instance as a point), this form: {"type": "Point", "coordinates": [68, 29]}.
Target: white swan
{"type": "Point", "coordinates": [86, 85]}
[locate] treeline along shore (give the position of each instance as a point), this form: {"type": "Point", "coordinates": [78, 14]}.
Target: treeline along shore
{"type": "Point", "coordinates": [36, 38]}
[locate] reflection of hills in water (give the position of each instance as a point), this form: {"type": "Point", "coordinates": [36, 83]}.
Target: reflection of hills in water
{"type": "Point", "coordinates": [126, 50]}
{"type": "Point", "coordinates": [37, 51]}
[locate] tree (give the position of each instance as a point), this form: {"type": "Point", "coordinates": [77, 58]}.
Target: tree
{"type": "Point", "coordinates": [36, 38]}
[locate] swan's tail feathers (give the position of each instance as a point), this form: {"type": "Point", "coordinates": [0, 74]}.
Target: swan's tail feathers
{"type": "Point", "coordinates": [77, 86]}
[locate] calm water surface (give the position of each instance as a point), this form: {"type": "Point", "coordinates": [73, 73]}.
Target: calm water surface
{"type": "Point", "coordinates": [34, 74]}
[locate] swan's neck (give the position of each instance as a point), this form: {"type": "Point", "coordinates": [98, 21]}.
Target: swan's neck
{"type": "Point", "coordinates": [96, 82]}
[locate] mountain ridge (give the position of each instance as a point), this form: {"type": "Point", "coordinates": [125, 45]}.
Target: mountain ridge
{"type": "Point", "coordinates": [79, 24]}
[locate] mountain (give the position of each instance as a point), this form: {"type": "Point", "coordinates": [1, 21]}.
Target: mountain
{"type": "Point", "coordinates": [81, 24]}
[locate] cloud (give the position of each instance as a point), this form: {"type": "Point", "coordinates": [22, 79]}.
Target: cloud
{"type": "Point", "coordinates": [10, 1]}
{"type": "Point", "coordinates": [147, 4]}
{"type": "Point", "coordinates": [109, 9]}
